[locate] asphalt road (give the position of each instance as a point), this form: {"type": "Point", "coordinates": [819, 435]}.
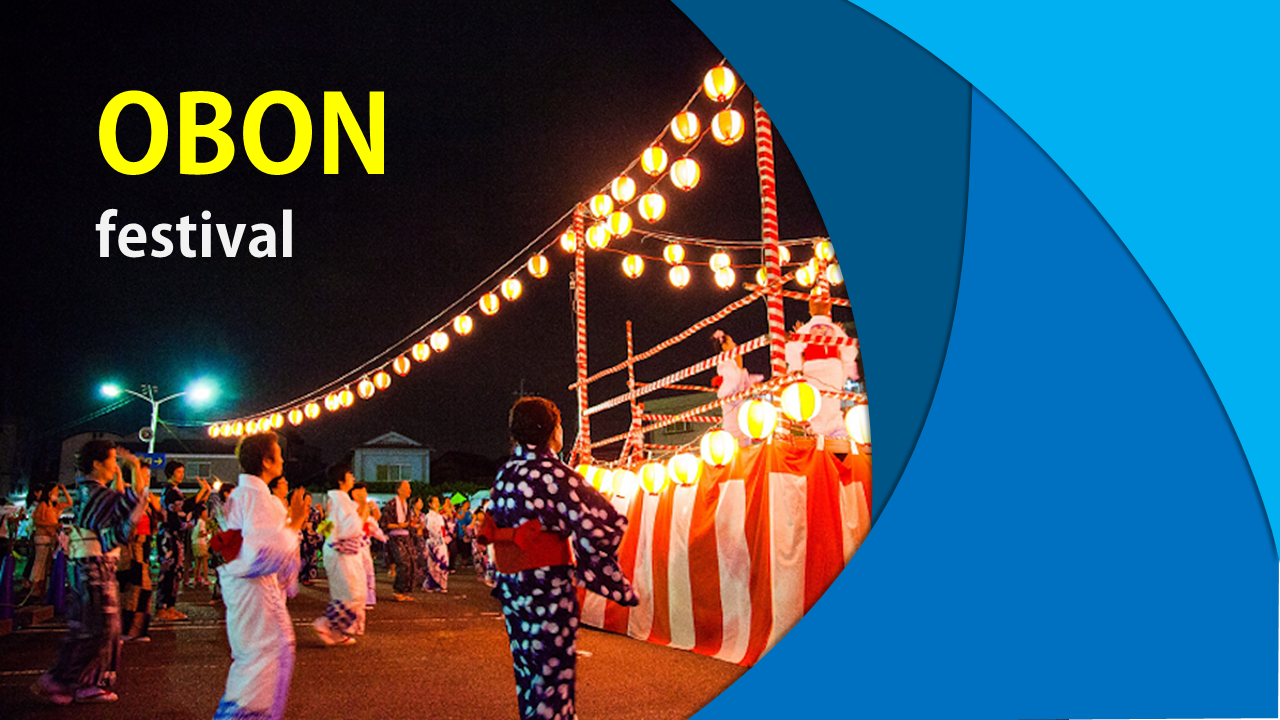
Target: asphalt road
{"type": "Point", "coordinates": [444, 656]}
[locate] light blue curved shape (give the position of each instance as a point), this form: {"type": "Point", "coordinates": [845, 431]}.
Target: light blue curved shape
{"type": "Point", "coordinates": [1164, 115]}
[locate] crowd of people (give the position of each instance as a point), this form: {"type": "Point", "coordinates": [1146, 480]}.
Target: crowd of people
{"type": "Point", "coordinates": [544, 532]}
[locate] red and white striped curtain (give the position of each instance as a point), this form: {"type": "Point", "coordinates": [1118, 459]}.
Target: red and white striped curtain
{"type": "Point", "coordinates": [726, 567]}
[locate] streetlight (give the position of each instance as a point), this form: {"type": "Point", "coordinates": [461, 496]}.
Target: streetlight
{"type": "Point", "coordinates": [198, 392]}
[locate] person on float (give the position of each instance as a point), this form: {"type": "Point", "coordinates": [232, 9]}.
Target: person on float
{"type": "Point", "coordinates": [550, 531]}
{"type": "Point", "coordinates": [343, 563]}
{"type": "Point", "coordinates": [731, 379]}
{"type": "Point", "coordinates": [826, 367]}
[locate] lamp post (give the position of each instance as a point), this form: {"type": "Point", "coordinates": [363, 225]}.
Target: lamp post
{"type": "Point", "coordinates": [198, 392]}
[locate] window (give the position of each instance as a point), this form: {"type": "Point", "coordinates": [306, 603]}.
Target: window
{"type": "Point", "coordinates": [677, 428]}
{"type": "Point", "coordinates": [394, 473]}
{"type": "Point", "coordinates": [200, 469]}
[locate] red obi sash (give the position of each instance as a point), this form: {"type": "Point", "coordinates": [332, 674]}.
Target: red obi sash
{"type": "Point", "coordinates": [525, 547]}
{"type": "Point", "coordinates": [821, 352]}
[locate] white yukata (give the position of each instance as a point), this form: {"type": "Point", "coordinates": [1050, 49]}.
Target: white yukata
{"type": "Point", "coordinates": [733, 380]}
{"type": "Point", "coordinates": [826, 367]}
{"type": "Point", "coordinates": [254, 587]}
{"type": "Point", "coordinates": [344, 565]}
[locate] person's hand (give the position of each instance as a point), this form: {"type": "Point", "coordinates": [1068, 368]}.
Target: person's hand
{"type": "Point", "coordinates": [299, 511]}
{"type": "Point", "coordinates": [141, 477]}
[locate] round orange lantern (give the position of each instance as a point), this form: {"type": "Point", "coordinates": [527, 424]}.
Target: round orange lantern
{"type": "Point", "coordinates": [684, 468]}
{"type": "Point", "coordinates": [673, 254]}
{"type": "Point", "coordinates": [489, 303]}
{"type": "Point", "coordinates": [805, 275]}
{"type": "Point", "coordinates": [346, 398]}
{"type": "Point", "coordinates": [720, 260]}
{"type": "Point", "coordinates": [439, 341]}
{"type": "Point", "coordinates": [757, 419]}
{"type": "Point", "coordinates": [685, 127]}
{"type": "Point", "coordinates": [622, 188]}
{"type": "Point", "coordinates": [653, 477]}
{"type": "Point", "coordinates": [462, 324]}
{"type": "Point", "coordinates": [725, 278]}
{"type": "Point", "coordinates": [685, 173]}
{"type": "Point", "coordinates": [421, 351]}
{"type": "Point", "coordinates": [654, 161]}
{"type": "Point", "coordinates": [620, 223]}
{"type": "Point", "coordinates": [538, 266]}
{"type": "Point", "coordinates": [227, 429]}
{"type": "Point", "coordinates": [295, 416]}
{"type": "Point", "coordinates": [719, 448]}
{"type": "Point", "coordinates": [835, 275]}
{"type": "Point", "coordinates": [277, 421]}
{"type": "Point", "coordinates": [652, 206]}
{"type": "Point", "coordinates": [568, 241]}
{"type": "Point", "coordinates": [238, 428]}
{"type": "Point", "coordinates": [719, 83]}
{"type": "Point", "coordinates": [604, 480]}
{"type": "Point", "coordinates": [401, 365]}
{"type": "Point", "coordinates": [214, 430]}
{"type": "Point", "coordinates": [588, 473]}
{"type": "Point", "coordinates": [331, 402]}
{"type": "Point", "coordinates": [312, 410]}
{"type": "Point", "coordinates": [728, 127]}
{"type": "Point", "coordinates": [600, 205]}
{"type": "Point", "coordinates": [762, 277]}
{"type": "Point", "coordinates": [625, 483]}
{"type": "Point", "coordinates": [251, 427]}
{"type": "Point", "coordinates": [598, 236]}
{"type": "Point", "coordinates": [784, 255]}
{"type": "Point", "coordinates": [382, 380]}
{"type": "Point", "coordinates": [823, 250]}
{"type": "Point", "coordinates": [857, 420]}
{"type": "Point", "coordinates": [511, 289]}
{"type": "Point", "coordinates": [679, 275]}
{"type": "Point", "coordinates": [801, 401]}
{"type": "Point", "coordinates": [633, 266]}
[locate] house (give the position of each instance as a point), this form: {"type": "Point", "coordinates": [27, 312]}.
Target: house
{"type": "Point", "coordinates": [390, 458]}
{"type": "Point", "coordinates": [680, 433]}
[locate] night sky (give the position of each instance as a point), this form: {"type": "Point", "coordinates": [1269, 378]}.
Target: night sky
{"type": "Point", "coordinates": [499, 117]}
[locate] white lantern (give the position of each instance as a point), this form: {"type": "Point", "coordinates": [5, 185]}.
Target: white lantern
{"type": "Point", "coordinates": [598, 236]}
{"type": "Point", "coordinates": [439, 341]}
{"type": "Point", "coordinates": [728, 127]}
{"type": "Point", "coordinates": [801, 401]}
{"type": "Point", "coordinates": [633, 266]}
{"type": "Point", "coordinates": [719, 448]}
{"type": "Point", "coordinates": [725, 278]}
{"type": "Point", "coordinates": [719, 83]}
{"type": "Point", "coordinates": [538, 266]}
{"type": "Point", "coordinates": [652, 206]}
{"type": "Point", "coordinates": [625, 483]}
{"type": "Point", "coordinates": [623, 189]}
{"type": "Point", "coordinates": [654, 161]}
{"type": "Point", "coordinates": [462, 324]}
{"type": "Point", "coordinates": [620, 223]}
{"type": "Point", "coordinates": [489, 303]}
{"type": "Point", "coordinates": [679, 275]}
{"type": "Point", "coordinates": [720, 260]}
{"type": "Point", "coordinates": [684, 468]}
{"type": "Point", "coordinates": [757, 419]}
{"type": "Point", "coordinates": [653, 476]}
{"type": "Point", "coordinates": [857, 420]}
{"type": "Point", "coordinates": [511, 288]}
{"type": "Point", "coordinates": [685, 127]}
{"type": "Point", "coordinates": [600, 205]}
{"type": "Point", "coordinates": [673, 254]}
{"type": "Point", "coordinates": [685, 173]}
{"type": "Point", "coordinates": [568, 241]}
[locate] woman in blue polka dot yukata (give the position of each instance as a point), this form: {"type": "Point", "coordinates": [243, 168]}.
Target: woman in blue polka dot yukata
{"type": "Point", "coordinates": [551, 531]}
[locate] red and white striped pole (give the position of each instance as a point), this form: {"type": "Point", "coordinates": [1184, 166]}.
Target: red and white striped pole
{"type": "Point", "coordinates": [769, 233]}
{"type": "Point", "coordinates": [581, 448]}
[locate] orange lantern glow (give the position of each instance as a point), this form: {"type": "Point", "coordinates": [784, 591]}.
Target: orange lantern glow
{"type": "Point", "coordinates": [625, 483]}
{"type": "Point", "coordinates": [726, 278]}
{"type": "Point", "coordinates": [420, 351]}
{"type": "Point", "coordinates": [588, 473]}
{"type": "Point", "coordinates": [295, 416]}
{"type": "Point", "coordinates": [653, 477]}
{"type": "Point", "coordinates": [679, 275]}
{"type": "Point", "coordinates": [673, 254]}
{"type": "Point", "coordinates": [331, 402]}
{"type": "Point", "coordinates": [238, 428]}
{"type": "Point", "coordinates": [784, 255]}
{"type": "Point", "coordinates": [823, 250]}
{"type": "Point", "coordinates": [600, 205]}
{"type": "Point", "coordinates": [604, 480]}
{"type": "Point", "coordinates": [401, 365]}
{"type": "Point", "coordinates": [462, 324]}
{"type": "Point", "coordinates": [728, 126]}
{"type": "Point", "coordinates": [227, 429]}
{"type": "Point", "coordinates": [684, 468]}
{"type": "Point", "coordinates": [719, 448]}
{"type": "Point", "coordinates": [652, 206]}
{"type": "Point", "coordinates": [633, 266]}
{"type": "Point", "coordinates": [857, 420]}
{"type": "Point", "coordinates": [685, 127]}
{"type": "Point", "coordinates": [538, 266]}
{"type": "Point", "coordinates": [805, 275]}
{"type": "Point", "coordinates": [598, 236]}
{"type": "Point", "coordinates": [654, 161]}
{"type": "Point", "coordinates": [568, 241]}
{"type": "Point", "coordinates": [346, 398]}
{"type": "Point", "coordinates": [277, 421]}
{"type": "Point", "coordinates": [620, 223]}
{"type": "Point", "coordinates": [312, 410]}
{"type": "Point", "coordinates": [757, 419]}
{"type": "Point", "coordinates": [382, 380]}
{"type": "Point", "coordinates": [719, 83]}
{"type": "Point", "coordinates": [835, 275]}
{"type": "Point", "coordinates": [489, 303]}
{"type": "Point", "coordinates": [685, 173]}
{"type": "Point", "coordinates": [251, 427]}
{"type": "Point", "coordinates": [762, 277]}
{"type": "Point", "coordinates": [801, 401]}
{"type": "Point", "coordinates": [365, 388]}
{"type": "Point", "coordinates": [511, 289]}
{"type": "Point", "coordinates": [720, 260]}
{"type": "Point", "coordinates": [439, 341]}
{"type": "Point", "coordinates": [622, 188]}
{"type": "Point", "coordinates": [214, 430]}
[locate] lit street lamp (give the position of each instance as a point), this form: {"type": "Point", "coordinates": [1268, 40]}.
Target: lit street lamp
{"type": "Point", "coordinates": [198, 392]}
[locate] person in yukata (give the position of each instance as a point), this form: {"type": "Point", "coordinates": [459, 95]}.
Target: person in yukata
{"type": "Point", "coordinates": [731, 379]}
{"type": "Point", "coordinates": [259, 544]}
{"type": "Point", "coordinates": [372, 531]}
{"type": "Point", "coordinates": [436, 549]}
{"type": "Point", "coordinates": [825, 366]}
{"type": "Point", "coordinates": [343, 562]}
{"type": "Point", "coordinates": [398, 521]}
{"type": "Point", "coordinates": [550, 531]}
{"type": "Point", "coordinates": [310, 545]}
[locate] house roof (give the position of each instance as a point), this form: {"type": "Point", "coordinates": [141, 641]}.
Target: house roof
{"type": "Point", "coordinates": [392, 440]}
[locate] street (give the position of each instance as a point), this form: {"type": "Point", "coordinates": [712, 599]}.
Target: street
{"type": "Point", "coordinates": [443, 656]}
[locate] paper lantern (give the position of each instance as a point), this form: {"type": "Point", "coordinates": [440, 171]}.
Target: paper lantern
{"type": "Point", "coordinates": [823, 250]}
{"type": "Point", "coordinates": [653, 477]}
{"type": "Point", "coordinates": [296, 416]}
{"type": "Point", "coordinates": [679, 275]}
{"type": "Point", "coordinates": [598, 236]}
{"type": "Point", "coordinates": [719, 83]}
{"type": "Point", "coordinates": [857, 420]}
{"type": "Point", "coordinates": [538, 266]}
{"type": "Point", "coordinates": [805, 275]}
{"type": "Point", "coordinates": [439, 341]}
{"type": "Point", "coordinates": [604, 480]}
{"type": "Point", "coordinates": [489, 303]}
{"type": "Point", "coordinates": [725, 278]}
{"type": "Point", "coordinates": [673, 254]}
{"type": "Point", "coordinates": [277, 421]}
{"type": "Point", "coordinates": [685, 173]}
{"type": "Point", "coordinates": [312, 410]}
{"type": "Point", "coordinates": [382, 380]}
{"type": "Point", "coordinates": [801, 401]}
{"type": "Point", "coordinates": [652, 206]}
{"type": "Point", "coordinates": [622, 189]}
{"type": "Point", "coordinates": [331, 402]}
{"type": "Point", "coordinates": [600, 205]}
{"type": "Point", "coordinates": [762, 276]}
{"type": "Point", "coordinates": [625, 483]}
{"type": "Point", "coordinates": [620, 223]}
{"type": "Point", "coordinates": [588, 473]}
{"type": "Point", "coordinates": [421, 351]}
{"type": "Point", "coordinates": [719, 448]}
{"type": "Point", "coordinates": [633, 266]}
{"type": "Point", "coordinates": [511, 289]}
{"type": "Point", "coordinates": [684, 468]}
{"type": "Point", "coordinates": [685, 127]}
{"type": "Point", "coordinates": [568, 241]}
{"type": "Point", "coordinates": [654, 161]}
{"type": "Point", "coordinates": [784, 255]}
{"type": "Point", "coordinates": [834, 275]}
{"type": "Point", "coordinates": [401, 365]}
{"type": "Point", "coordinates": [463, 324]}
{"type": "Point", "coordinates": [728, 127]}
{"type": "Point", "coordinates": [720, 260]}
{"type": "Point", "coordinates": [346, 398]}
{"type": "Point", "coordinates": [757, 419]}
{"type": "Point", "coordinates": [214, 430]}
{"type": "Point", "coordinates": [238, 428]}
{"type": "Point", "coordinates": [227, 430]}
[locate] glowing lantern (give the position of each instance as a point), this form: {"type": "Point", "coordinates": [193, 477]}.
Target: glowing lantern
{"type": "Point", "coordinates": [462, 324]}
{"type": "Point", "coordinates": [365, 388]}
{"type": "Point", "coordinates": [633, 266]}
{"type": "Point", "coordinates": [685, 127]}
{"type": "Point", "coordinates": [604, 480]}
{"type": "Point", "coordinates": [511, 288]}
{"type": "Point", "coordinates": [382, 380]}
{"type": "Point", "coordinates": [719, 83]}
{"type": "Point", "coordinates": [214, 430]}
{"type": "Point", "coordinates": [652, 206]}
{"type": "Point", "coordinates": [673, 254]}
{"type": "Point", "coordinates": [684, 468]}
{"type": "Point", "coordinates": [757, 419]}
{"type": "Point", "coordinates": [858, 422]}
{"type": "Point", "coordinates": [728, 127]}
{"type": "Point", "coordinates": [784, 255]}
{"type": "Point", "coordinates": [801, 401]}
{"type": "Point", "coordinates": [598, 236]}
{"type": "Point", "coordinates": [346, 398]}
{"type": "Point", "coordinates": [295, 416]}
{"type": "Point", "coordinates": [227, 430]}
{"type": "Point", "coordinates": [834, 275]}
{"type": "Point", "coordinates": [720, 260]}
{"type": "Point", "coordinates": [679, 275]}
{"type": "Point", "coordinates": [805, 275]}
{"type": "Point", "coordinates": [588, 473]}
{"type": "Point", "coordinates": [620, 223]}
{"type": "Point", "coordinates": [719, 448]}
{"type": "Point", "coordinates": [653, 476]}
{"type": "Point", "coordinates": [725, 278]}
{"type": "Point", "coordinates": [489, 303]}
{"type": "Point", "coordinates": [654, 161]}
{"type": "Point", "coordinates": [312, 410]}
{"type": "Point", "coordinates": [762, 277]}
{"type": "Point", "coordinates": [331, 402]}
{"type": "Point", "coordinates": [401, 365]}
{"type": "Point", "coordinates": [277, 421]}
{"type": "Point", "coordinates": [439, 341]}
{"type": "Point", "coordinates": [625, 483]}
{"type": "Point", "coordinates": [685, 173]}
{"type": "Point", "coordinates": [823, 250]}
{"type": "Point", "coordinates": [600, 205]}
{"type": "Point", "coordinates": [238, 428]}
{"type": "Point", "coordinates": [538, 266]}
{"type": "Point", "coordinates": [568, 241]}
{"type": "Point", "coordinates": [251, 427]}
{"type": "Point", "coordinates": [623, 189]}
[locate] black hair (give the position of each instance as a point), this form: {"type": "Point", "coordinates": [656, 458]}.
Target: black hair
{"type": "Point", "coordinates": [336, 473]}
{"type": "Point", "coordinates": [533, 421]}
{"type": "Point", "coordinates": [91, 452]}
{"type": "Point", "coordinates": [252, 450]}
{"type": "Point", "coordinates": [172, 467]}
{"type": "Point", "coordinates": [360, 485]}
